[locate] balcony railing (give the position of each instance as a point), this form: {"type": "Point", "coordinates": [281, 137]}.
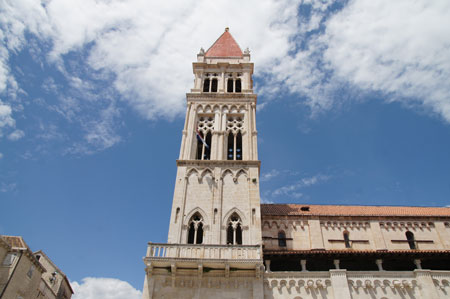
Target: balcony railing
{"type": "Point", "coordinates": [157, 251]}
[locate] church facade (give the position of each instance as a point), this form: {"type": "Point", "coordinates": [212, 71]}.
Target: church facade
{"type": "Point", "coordinates": [224, 243]}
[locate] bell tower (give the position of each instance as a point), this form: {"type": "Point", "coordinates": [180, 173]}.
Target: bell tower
{"type": "Point", "coordinates": [214, 244]}
{"type": "Point", "coordinates": [216, 198]}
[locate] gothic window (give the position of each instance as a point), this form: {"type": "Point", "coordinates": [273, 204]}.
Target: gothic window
{"type": "Point", "coordinates": [234, 137]}
{"type": "Point", "coordinates": [239, 146]}
{"type": "Point", "coordinates": [206, 85]}
{"type": "Point", "coordinates": [230, 84]}
{"type": "Point", "coordinates": [238, 85]}
{"type": "Point", "coordinates": [411, 240]}
{"type": "Point", "coordinates": [195, 233]}
{"type": "Point", "coordinates": [347, 240]}
{"type": "Point", "coordinates": [234, 230]}
{"type": "Point", "coordinates": [230, 147]}
{"type": "Point", "coordinates": [204, 137]}
{"type": "Point", "coordinates": [214, 85]}
{"type": "Point", "coordinates": [281, 239]}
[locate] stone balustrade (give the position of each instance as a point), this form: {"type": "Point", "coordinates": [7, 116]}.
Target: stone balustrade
{"type": "Point", "coordinates": [157, 251]}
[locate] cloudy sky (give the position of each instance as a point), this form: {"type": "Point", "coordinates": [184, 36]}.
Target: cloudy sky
{"type": "Point", "coordinates": [353, 108]}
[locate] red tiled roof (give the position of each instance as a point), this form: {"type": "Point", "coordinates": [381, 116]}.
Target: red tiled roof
{"type": "Point", "coordinates": [353, 252]}
{"type": "Point", "coordinates": [15, 242]}
{"type": "Point", "coordinates": [336, 210]}
{"type": "Point", "coordinates": [225, 46]}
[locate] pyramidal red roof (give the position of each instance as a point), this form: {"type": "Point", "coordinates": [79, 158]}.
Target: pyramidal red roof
{"type": "Point", "coordinates": [225, 46]}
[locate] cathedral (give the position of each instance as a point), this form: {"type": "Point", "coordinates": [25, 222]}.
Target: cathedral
{"type": "Point", "coordinates": [223, 243]}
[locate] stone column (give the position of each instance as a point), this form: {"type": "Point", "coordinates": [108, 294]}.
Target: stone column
{"type": "Point", "coordinates": [426, 285]}
{"type": "Point", "coordinates": [303, 264]}
{"type": "Point", "coordinates": [418, 264]}
{"type": "Point", "coordinates": [379, 263]}
{"type": "Point", "coordinates": [336, 264]}
{"type": "Point", "coordinates": [340, 284]}
{"type": "Point", "coordinates": [267, 265]}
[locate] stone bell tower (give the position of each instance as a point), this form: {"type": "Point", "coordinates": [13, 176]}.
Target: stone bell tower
{"type": "Point", "coordinates": [214, 241]}
{"type": "Point", "coordinates": [216, 199]}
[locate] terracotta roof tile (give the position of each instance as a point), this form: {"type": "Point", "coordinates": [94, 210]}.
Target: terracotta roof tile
{"type": "Point", "coordinates": [354, 252]}
{"type": "Point", "coordinates": [341, 210]}
{"type": "Point", "coordinates": [225, 46]}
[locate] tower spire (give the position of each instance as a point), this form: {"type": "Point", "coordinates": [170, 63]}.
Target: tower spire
{"type": "Point", "coordinates": [225, 46]}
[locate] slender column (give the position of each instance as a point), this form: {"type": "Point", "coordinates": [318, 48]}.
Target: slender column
{"type": "Point", "coordinates": [303, 264]}
{"type": "Point", "coordinates": [268, 266]}
{"type": "Point", "coordinates": [336, 264]}
{"type": "Point", "coordinates": [379, 263]}
{"type": "Point", "coordinates": [418, 264]}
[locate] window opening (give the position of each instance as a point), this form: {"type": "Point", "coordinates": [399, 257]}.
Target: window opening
{"type": "Point", "coordinates": [234, 230]}
{"type": "Point", "coordinates": [230, 151]}
{"type": "Point", "coordinates": [411, 240]}
{"type": "Point", "coordinates": [215, 215]}
{"type": "Point", "coordinates": [206, 85]}
{"type": "Point", "coordinates": [238, 85]}
{"type": "Point", "coordinates": [176, 214]}
{"type": "Point", "coordinates": [239, 146]}
{"type": "Point", "coordinates": [207, 149]}
{"type": "Point", "coordinates": [347, 240]}
{"type": "Point", "coordinates": [214, 85]}
{"type": "Point", "coordinates": [204, 137]}
{"type": "Point", "coordinates": [281, 239]}
{"type": "Point", "coordinates": [230, 83]}
{"type": "Point", "coordinates": [195, 234]}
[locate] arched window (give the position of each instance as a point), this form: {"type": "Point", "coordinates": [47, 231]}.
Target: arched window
{"type": "Point", "coordinates": [195, 234]}
{"type": "Point", "coordinates": [203, 150]}
{"type": "Point", "coordinates": [214, 85]}
{"type": "Point", "coordinates": [230, 84]}
{"type": "Point", "coordinates": [234, 230]}
{"type": "Point", "coordinates": [411, 240]}
{"type": "Point", "coordinates": [281, 239]}
{"type": "Point", "coordinates": [200, 146]}
{"type": "Point", "coordinates": [347, 240]}
{"type": "Point", "coordinates": [206, 85]}
{"type": "Point", "coordinates": [230, 147]}
{"type": "Point", "coordinates": [238, 85]}
{"type": "Point", "coordinates": [239, 146]}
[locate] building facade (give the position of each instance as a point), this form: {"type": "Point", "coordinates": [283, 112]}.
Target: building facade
{"type": "Point", "coordinates": [28, 275]}
{"type": "Point", "coordinates": [222, 242]}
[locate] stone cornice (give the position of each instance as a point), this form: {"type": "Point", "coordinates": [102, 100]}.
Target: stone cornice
{"type": "Point", "coordinates": [220, 163]}
{"type": "Point", "coordinates": [222, 97]}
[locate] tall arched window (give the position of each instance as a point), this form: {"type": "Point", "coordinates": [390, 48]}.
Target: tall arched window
{"type": "Point", "coordinates": [234, 230]}
{"type": "Point", "coordinates": [204, 135]}
{"type": "Point", "coordinates": [207, 149]}
{"type": "Point", "coordinates": [195, 234]}
{"type": "Point", "coordinates": [206, 83]}
{"type": "Point", "coordinates": [230, 146]}
{"type": "Point", "coordinates": [411, 240]}
{"type": "Point", "coordinates": [238, 85]}
{"type": "Point", "coordinates": [214, 85]}
{"type": "Point", "coordinates": [230, 83]}
{"type": "Point", "coordinates": [239, 146]}
{"type": "Point", "coordinates": [281, 239]}
{"type": "Point", "coordinates": [347, 240]}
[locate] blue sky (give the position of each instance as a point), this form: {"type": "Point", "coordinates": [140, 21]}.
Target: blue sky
{"type": "Point", "coordinates": [353, 108]}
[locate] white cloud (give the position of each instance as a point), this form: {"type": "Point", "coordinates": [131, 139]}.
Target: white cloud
{"type": "Point", "coordinates": [270, 175]}
{"type": "Point", "coordinates": [327, 56]}
{"type": "Point", "coordinates": [16, 135]}
{"type": "Point", "coordinates": [292, 189]}
{"type": "Point", "coordinates": [104, 288]}
{"type": "Point", "coordinates": [6, 119]}
{"type": "Point", "coordinates": [1, 155]}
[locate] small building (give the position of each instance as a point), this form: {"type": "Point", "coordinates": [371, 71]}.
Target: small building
{"type": "Point", "coordinates": [27, 275]}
